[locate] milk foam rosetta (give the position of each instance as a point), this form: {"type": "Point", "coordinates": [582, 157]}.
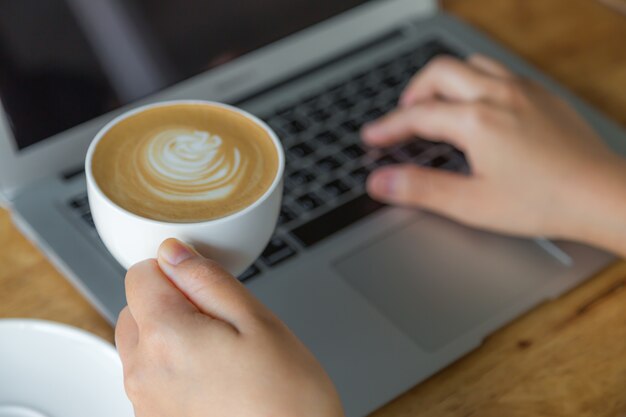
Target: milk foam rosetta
{"type": "Point", "coordinates": [185, 163]}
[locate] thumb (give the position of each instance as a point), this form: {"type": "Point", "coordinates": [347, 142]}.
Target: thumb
{"type": "Point", "coordinates": [436, 190]}
{"type": "Point", "coordinates": [210, 288]}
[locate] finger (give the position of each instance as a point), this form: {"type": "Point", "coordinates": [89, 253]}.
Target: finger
{"type": "Point", "coordinates": [435, 120]}
{"type": "Point", "coordinates": [126, 334]}
{"type": "Point", "coordinates": [439, 191]}
{"type": "Point", "coordinates": [450, 79]}
{"type": "Point", "coordinates": [152, 297]}
{"type": "Point", "coordinates": [491, 67]}
{"type": "Point", "coordinates": [209, 287]}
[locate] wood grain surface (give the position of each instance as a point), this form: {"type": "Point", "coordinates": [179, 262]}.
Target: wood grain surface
{"type": "Point", "coordinates": [567, 357]}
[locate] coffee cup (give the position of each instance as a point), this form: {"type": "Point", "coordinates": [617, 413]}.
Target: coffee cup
{"type": "Point", "coordinates": [206, 173]}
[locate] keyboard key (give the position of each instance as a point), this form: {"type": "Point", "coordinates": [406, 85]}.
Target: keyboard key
{"type": "Point", "coordinates": [309, 201]}
{"type": "Point", "coordinates": [405, 57]}
{"type": "Point", "coordinates": [320, 115]}
{"type": "Point", "coordinates": [413, 149]}
{"type": "Point", "coordinates": [79, 202]}
{"type": "Point", "coordinates": [275, 125]}
{"type": "Point", "coordinates": [301, 177]}
{"type": "Point", "coordinates": [368, 93]}
{"type": "Point", "coordinates": [463, 167]}
{"type": "Point", "coordinates": [295, 126]}
{"type": "Point", "coordinates": [461, 163]}
{"type": "Point", "coordinates": [389, 105]}
{"type": "Point", "coordinates": [458, 154]}
{"type": "Point", "coordinates": [286, 215]}
{"type": "Point", "coordinates": [412, 69]}
{"type": "Point", "coordinates": [398, 70]}
{"type": "Point", "coordinates": [335, 220]}
{"type": "Point", "coordinates": [361, 78]}
{"type": "Point", "coordinates": [276, 252]}
{"type": "Point", "coordinates": [391, 81]}
{"type": "Point", "coordinates": [360, 175]}
{"type": "Point", "coordinates": [288, 188]}
{"type": "Point", "coordinates": [372, 114]}
{"type": "Point", "coordinates": [311, 101]}
{"type": "Point", "coordinates": [353, 151]}
{"type": "Point", "coordinates": [457, 166]}
{"type": "Point", "coordinates": [328, 164]}
{"type": "Point", "coordinates": [438, 162]}
{"type": "Point", "coordinates": [351, 126]}
{"type": "Point", "coordinates": [88, 219]}
{"type": "Point", "coordinates": [327, 138]}
{"type": "Point", "coordinates": [385, 68]}
{"type": "Point", "coordinates": [344, 103]}
{"type": "Point", "coordinates": [336, 188]}
{"type": "Point", "coordinates": [336, 89]}
{"type": "Point", "coordinates": [249, 273]}
{"type": "Point", "coordinates": [285, 111]}
{"type": "Point", "coordinates": [386, 160]}
{"type": "Point", "coordinates": [300, 150]}
{"type": "Point", "coordinates": [443, 147]}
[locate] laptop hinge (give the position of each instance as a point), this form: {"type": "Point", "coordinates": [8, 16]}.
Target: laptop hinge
{"type": "Point", "coordinates": [344, 55]}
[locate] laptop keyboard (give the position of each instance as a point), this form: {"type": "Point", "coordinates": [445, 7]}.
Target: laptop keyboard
{"type": "Point", "coordinates": [327, 165]}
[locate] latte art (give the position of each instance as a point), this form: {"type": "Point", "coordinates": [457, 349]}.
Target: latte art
{"type": "Point", "coordinates": [184, 165]}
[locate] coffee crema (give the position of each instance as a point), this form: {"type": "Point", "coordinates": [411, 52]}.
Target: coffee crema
{"type": "Point", "coordinates": [185, 163]}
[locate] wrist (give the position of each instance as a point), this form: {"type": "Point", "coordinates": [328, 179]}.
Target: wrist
{"type": "Point", "coordinates": [595, 211]}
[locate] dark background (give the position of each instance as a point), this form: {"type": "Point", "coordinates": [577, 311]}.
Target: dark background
{"type": "Point", "coordinates": [52, 78]}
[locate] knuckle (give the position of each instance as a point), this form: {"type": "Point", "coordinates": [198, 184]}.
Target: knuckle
{"type": "Point", "coordinates": [131, 277]}
{"type": "Point", "coordinates": [119, 333]}
{"type": "Point", "coordinates": [163, 301]}
{"type": "Point", "coordinates": [439, 64]}
{"type": "Point", "coordinates": [136, 272]}
{"type": "Point", "coordinates": [425, 107]}
{"type": "Point", "coordinates": [443, 62]}
{"type": "Point", "coordinates": [511, 92]}
{"type": "Point", "coordinates": [157, 340]}
{"type": "Point", "coordinates": [139, 268]}
{"type": "Point", "coordinates": [477, 117]}
{"type": "Point", "coordinates": [132, 382]}
{"type": "Point", "coordinates": [123, 314]}
{"type": "Point", "coordinates": [150, 332]}
{"type": "Point", "coordinates": [415, 116]}
{"type": "Point", "coordinates": [123, 317]}
{"type": "Point", "coordinates": [201, 276]}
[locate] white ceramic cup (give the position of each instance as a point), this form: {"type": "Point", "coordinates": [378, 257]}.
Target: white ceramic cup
{"type": "Point", "coordinates": [235, 241]}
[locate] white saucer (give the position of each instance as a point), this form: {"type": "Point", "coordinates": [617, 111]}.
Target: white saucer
{"type": "Point", "coordinates": [53, 370]}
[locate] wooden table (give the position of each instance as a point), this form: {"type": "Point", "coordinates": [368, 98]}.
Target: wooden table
{"type": "Point", "coordinates": [565, 358]}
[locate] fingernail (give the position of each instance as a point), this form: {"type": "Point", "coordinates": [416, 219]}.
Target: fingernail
{"type": "Point", "coordinates": [175, 252]}
{"type": "Point", "coordinates": [383, 183]}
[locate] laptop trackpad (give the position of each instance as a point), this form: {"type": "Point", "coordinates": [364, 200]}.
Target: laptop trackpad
{"type": "Point", "coordinates": [435, 280]}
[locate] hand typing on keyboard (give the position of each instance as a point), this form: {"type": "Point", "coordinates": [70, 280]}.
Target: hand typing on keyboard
{"type": "Point", "coordinates": [538, 169]}
{"type": "Point", "coordinates": [195, 342]}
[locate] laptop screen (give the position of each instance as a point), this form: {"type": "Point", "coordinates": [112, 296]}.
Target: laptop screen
{"type": "Point", "coordinates": [64, 62]}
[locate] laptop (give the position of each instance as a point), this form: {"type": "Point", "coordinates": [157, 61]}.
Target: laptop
{"type": "Point", "coordinates": [383, 296]}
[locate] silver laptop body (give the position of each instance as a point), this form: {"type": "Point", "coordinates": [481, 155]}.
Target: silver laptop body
{"type": "Point", "coordinates": [384, 299]}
